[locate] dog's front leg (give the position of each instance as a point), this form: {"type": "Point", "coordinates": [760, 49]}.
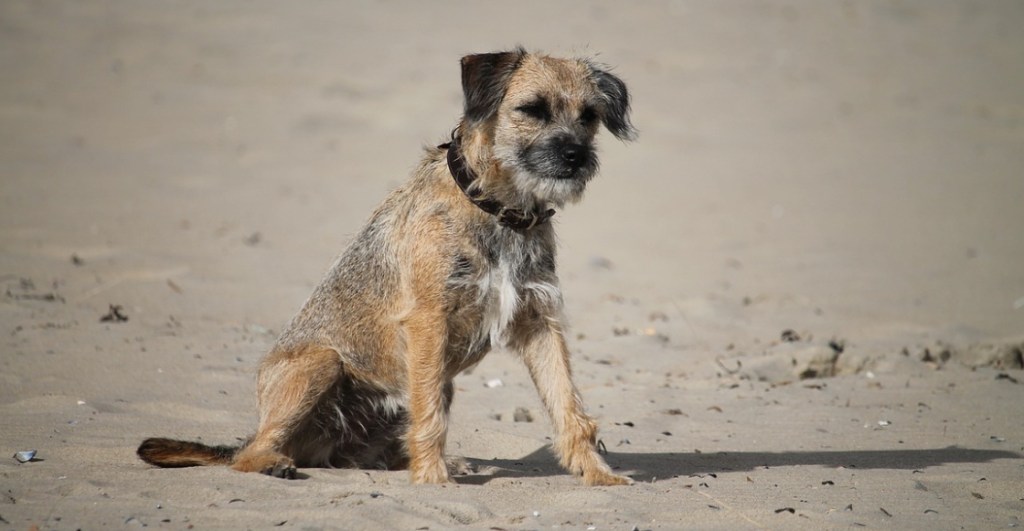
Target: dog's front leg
{"type": "Point", "coordinates": [428, 401]}
{"type": "Point", "coordinates": [547, 357]}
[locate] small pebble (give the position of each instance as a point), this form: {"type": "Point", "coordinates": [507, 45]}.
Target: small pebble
{"type": "Point", "coordinates": [25, 456]}
{"type": "Point", "coordinates": [496, 382]}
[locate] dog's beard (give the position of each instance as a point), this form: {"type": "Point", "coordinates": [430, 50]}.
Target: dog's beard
{"type": "Point", "coordinates": [548, 190]}
{"type": "Point", "coordinates": [539, 175]}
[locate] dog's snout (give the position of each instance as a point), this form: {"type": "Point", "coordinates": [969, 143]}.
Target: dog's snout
{"type": "Point", "coordinates": [575, 155]}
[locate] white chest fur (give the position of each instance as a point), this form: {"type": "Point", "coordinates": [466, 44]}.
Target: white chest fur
{"type": "Point", "coordinates": [504, 289]}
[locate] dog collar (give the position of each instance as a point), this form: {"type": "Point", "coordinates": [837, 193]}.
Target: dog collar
{"type": "Point", "coordinates": [509, 217]}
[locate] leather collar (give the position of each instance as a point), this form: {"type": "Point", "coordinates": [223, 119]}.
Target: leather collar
{"type": "Point", "coordinates": [509, 217]}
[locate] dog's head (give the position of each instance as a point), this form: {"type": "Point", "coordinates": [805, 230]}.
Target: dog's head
{"type": "Point", "coordinates": [538, 116]}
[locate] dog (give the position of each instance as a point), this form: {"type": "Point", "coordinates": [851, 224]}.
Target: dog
{"type": "Point", "coordinates": [458, 261]}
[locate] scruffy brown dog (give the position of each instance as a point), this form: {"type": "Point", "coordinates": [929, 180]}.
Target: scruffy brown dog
{"type": "Point", "coordinates": [458, 261]}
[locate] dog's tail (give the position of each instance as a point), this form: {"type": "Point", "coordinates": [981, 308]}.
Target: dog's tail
{"type": "Point", "coordinates": [169, 453]}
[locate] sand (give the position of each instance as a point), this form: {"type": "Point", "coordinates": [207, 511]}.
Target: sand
{"type": "Point", "coordinates": [796, 302]}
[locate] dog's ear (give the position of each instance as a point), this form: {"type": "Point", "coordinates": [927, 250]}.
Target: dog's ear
{"type": "Point", "coordinates": [616, 104]}
{"type": "Point", "coordinates": [485, 77]}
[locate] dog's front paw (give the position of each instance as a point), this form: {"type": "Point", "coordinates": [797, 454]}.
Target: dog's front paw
{"type": "Point", "coordinates": [600, 478]}
{"type": "Point", "coordinates": [459, 466]}
{"type": "Point", "coordinates": [433, 473]}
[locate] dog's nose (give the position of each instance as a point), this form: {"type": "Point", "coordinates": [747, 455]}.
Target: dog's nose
{"type": "Point", "coordinates": [574, 154]}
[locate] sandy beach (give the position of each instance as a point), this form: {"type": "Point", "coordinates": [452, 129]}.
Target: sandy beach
{"type": "Point", "coordinates": [796, 302]}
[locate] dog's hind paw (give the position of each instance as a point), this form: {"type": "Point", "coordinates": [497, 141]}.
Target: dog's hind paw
{"type": "Point", "coordinates": [269, 463]}
{"type": "Point", "coordinates": [283, 469]}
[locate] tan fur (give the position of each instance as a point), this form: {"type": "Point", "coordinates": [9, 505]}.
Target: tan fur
{"type": "Point", "coordinates": [363, 374]}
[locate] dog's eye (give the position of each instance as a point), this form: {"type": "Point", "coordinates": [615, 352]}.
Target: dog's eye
{"type": "Point", "coordinates": [588, 115]}
{"type": "Point", "coordinates": [537, 110]}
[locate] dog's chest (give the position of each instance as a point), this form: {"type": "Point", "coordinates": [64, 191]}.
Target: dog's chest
{"type": "Point", "coordinates": [508, 279]}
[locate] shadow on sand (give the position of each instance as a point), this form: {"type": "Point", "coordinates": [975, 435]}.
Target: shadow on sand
{"type": "Point", "coordinates": [653, 466]}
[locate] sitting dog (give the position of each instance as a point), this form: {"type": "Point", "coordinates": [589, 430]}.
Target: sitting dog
{"type": "Point", "coordinates": [458, 261]}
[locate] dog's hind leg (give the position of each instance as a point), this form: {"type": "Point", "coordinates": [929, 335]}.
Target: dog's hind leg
{"type": "Point", "coordinates": [289, 386]}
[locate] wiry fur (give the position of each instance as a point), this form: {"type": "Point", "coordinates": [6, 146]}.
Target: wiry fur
{"type": "Point", "coordinates": [362, 376]}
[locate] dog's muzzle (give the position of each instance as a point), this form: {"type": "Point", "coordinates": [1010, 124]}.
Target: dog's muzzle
{"type": "Point", "coordinates": [562, 158]}
{"type": "Point", "coordinates": [575, 155]}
